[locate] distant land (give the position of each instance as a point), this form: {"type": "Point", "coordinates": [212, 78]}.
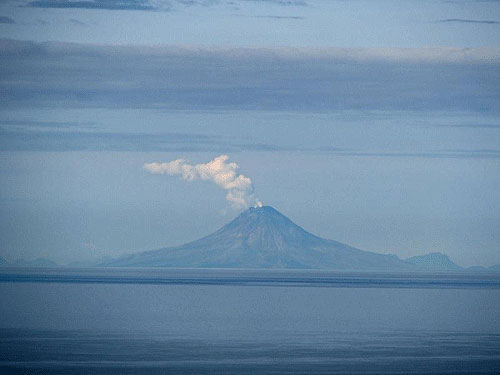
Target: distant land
{"type": "Point", "coordinates": [263, 238]}
{"type": "Point", "coordinates": [39, 262]}
{"type": "Point", "coordinates": [434, 262]}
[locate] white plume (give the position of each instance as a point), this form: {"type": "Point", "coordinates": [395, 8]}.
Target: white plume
{"type": "Point", "coordinates": [239, 187]}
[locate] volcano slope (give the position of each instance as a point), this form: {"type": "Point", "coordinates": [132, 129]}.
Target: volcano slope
{"type": "Point", "coordinates": [262, 237]}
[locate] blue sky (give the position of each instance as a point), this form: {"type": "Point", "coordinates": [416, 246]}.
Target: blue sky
{"type": "Point", "coordinates": [375, 123]}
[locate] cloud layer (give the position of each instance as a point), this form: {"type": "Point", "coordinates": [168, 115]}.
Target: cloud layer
{"type": "Point", "coordinates": [465, 20]}
{"type": "Point", "coordinates": [299, 79]}
{"type": "Point", "coordinates": [239, 187]}
{"type": "Point", "coordinates": [146, 5]}
{"type": "Point", "coordinates": [97, 4]}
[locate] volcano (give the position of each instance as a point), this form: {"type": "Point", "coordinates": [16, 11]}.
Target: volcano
{"type": "Point", "coordinates": [262, 237]}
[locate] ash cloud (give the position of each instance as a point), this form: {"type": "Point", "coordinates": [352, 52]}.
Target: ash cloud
{"type": "Point", "coordinates": [224, 174]}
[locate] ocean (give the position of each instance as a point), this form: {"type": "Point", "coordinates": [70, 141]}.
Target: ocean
{"type": "Point", "coordinates": [174, 321]}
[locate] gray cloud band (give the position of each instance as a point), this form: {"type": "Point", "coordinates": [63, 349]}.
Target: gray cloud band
{"type": "Point", "coordinates": [296, 79]}
{"type": "Point", "coordinates": [146, 5]}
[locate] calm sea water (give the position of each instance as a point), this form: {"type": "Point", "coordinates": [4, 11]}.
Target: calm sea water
{"type": "Point", "coordinates": [155, 321]}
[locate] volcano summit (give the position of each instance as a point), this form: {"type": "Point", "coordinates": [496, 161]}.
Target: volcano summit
{"type": "Point", "coordinates": [262, 237]}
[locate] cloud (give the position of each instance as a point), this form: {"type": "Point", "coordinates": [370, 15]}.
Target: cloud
{"type": "Point", "coordinates": [279, 17]}
{"type": "Point", "coordinates": [45, 124]}
{"type": "Point", "coordinates": [144, 5]}
{"type": "Point", "coordinates": [280, 2]}
{"type": "Point", "coordinates": [470, 1]}
{"type": "Point", "coordinates": [462, 20]}
{"type": "Point", "coordinates": [431, 154]}
{"type": "Point", "coordinates": [69, 75]}
{"type": "Point", "coordinates": [471, 126]}
{"type": "Point", "coordinates": [5, 19]}
{"type": "Point", "coordinates": [225, 175]}
{"type": "Point", "coordinates": [67, 140]}
{"type": "Point", "coordinates": [62, 136]}
{"type": "Point", "coordinates": [76, 22]}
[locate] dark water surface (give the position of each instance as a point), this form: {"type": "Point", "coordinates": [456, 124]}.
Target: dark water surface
{"type": "Point", "coordinates": [150, 321]}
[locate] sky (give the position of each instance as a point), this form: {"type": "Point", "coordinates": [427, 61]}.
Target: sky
{"type": "Point", "coordinates": [374, 123]}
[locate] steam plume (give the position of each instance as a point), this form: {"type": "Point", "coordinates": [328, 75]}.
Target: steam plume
{"type": "Point", "coordinates": [239, 187]}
